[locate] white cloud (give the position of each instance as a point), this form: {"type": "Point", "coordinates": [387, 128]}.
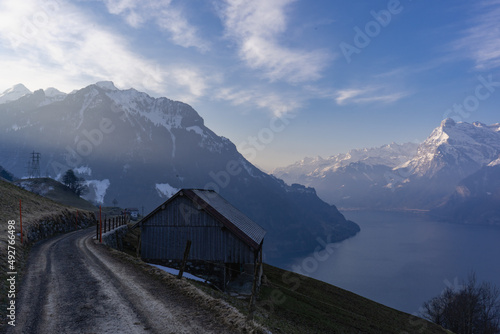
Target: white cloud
{"type": "Point", "coordinates": [55, 42]}
{"type": "Point", "coordinates": [482, 41]}
{"type": "Point", "coordinates": [367, 95]}
{"type": "Point", "coordinates": [167, 17]}
{"type": "Point", "coordinates": [256, 26]}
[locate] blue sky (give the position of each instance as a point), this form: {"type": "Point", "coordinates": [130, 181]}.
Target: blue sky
{"type": "Point", "coordinates": [283, 79]}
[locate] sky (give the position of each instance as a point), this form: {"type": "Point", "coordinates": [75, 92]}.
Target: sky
{"type": "Point", "coordinates": [282, 79]}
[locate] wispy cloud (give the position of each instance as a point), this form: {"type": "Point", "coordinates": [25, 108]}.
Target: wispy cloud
{"type": "Point", "coordinates": [168, 17]}
{"type": "Point", "coordinates": [278, 104]}
{"type": "Point", "coordinates": [367, 95]}
{"type": "Point", "coordinates": [481, 41]}
{"type": "Point", "coordinates": [256, 27]}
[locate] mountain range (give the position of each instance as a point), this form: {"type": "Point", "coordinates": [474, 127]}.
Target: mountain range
{"type": "Point", "coordinates": [138, 150]}
{"type": "Point", "coordinates": [451, 170]}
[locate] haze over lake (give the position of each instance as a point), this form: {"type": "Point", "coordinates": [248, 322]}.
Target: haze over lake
{"type": "Point", "coordinates": [402, 259]}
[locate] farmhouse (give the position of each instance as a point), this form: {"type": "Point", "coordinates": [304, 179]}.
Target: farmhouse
{"type": "Point", "coordinates": [133, 212]}
{"type": "Point", "coordinates": [226, 246]}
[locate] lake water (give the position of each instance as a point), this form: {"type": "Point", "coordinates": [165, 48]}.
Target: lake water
{"type": "Point", "coordinates": [403, 259]}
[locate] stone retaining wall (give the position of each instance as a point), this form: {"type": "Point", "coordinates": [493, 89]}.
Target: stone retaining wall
{"type": "Point", "coordinates": [48, 226]}
{"type": "Point", "coordinates": [114, 238]}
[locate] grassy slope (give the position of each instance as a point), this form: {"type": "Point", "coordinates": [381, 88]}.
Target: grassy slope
{"type": "Point", "coordinates": [34, 207]}
{"type": "Point", "coordinates": [292, 303]}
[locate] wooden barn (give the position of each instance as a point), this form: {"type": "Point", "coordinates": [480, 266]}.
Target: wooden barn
{"type": "Point", "coordinates": [225, 246]}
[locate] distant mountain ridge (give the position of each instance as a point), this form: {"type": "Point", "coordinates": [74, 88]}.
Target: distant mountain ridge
{"type": "Point", "coordinates": [451, 154]}
{"type": "Point", "coordinates": [390, 155]}
{"type": "Point", "coordinates": [343, 179]}
{"type": "Point", "coordinates": [139, 150]}
{"type": "Point", "coordinates": [14, 93]}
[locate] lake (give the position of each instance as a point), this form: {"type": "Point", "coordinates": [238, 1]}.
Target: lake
{"type": "Point", "coordinates": [403, 259]}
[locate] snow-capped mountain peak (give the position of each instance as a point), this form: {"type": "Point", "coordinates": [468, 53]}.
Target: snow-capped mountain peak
{"type": "Point", "coordinates": [456, 148]}
{"type": "Point", "coordinates": [53, 92]}
{"type": "Point", "coordinates": [14, 93]}
{"type": "Point", "coordinates": [106, 85]}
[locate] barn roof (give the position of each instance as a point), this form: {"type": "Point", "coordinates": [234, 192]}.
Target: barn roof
{"type": "Point", "coordinates": [215, 205]}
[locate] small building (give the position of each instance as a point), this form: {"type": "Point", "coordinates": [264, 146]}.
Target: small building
{"type": "Point", "coordinates": [132, 212]}
{"type": "Point", "coordinates": [225, 247]}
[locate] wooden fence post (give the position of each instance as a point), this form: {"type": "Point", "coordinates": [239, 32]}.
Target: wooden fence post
{"type": "Point", "coordinates": [254, 287]}
{"type": "Point", "coordinates": [184, 259]}
{"type": "Point", "coordinates": [21, 220]}
{"type": "Point", "coordinates": [100, 224]}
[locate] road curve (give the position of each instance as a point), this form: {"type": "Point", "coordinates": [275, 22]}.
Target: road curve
{"type": "Point", "coordinates": [72, 285]}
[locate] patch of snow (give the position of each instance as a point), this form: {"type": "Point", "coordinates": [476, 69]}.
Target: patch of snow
{"type": "Point", "coordinates": [107, 85]}
{"type": "Point", "coordinates": [84, 170]}
{"type": "Point", "coordinates": [99, 187]}
{"type": "Point", "coordinates": [165, 190]}
{"type": "Point", "coordinates": [176, 272]}
{"type": "Point", "coordinates": [196, 129]}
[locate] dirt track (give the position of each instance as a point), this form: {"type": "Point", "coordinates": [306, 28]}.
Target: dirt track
{"type": "Point", "coordinates": [72, 285]}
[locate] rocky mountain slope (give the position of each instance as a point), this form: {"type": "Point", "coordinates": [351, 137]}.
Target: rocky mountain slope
{"type": "Point", "coordinates": [475, 199]}
{"type": "Point", "coordinates": [139, 150]}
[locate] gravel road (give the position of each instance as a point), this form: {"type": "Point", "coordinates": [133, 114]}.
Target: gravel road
{"type": "Point", "coordinates": [72, 285]}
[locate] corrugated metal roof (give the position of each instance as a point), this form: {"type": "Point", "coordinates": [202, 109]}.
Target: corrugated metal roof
{"type": "Point", "coordinates": [210, 201]}
{"type": "Point", "coordinates": [240, 221]}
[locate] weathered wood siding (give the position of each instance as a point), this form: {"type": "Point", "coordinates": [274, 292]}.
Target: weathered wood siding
{"type": "Point", "coordinates": [164, 236]}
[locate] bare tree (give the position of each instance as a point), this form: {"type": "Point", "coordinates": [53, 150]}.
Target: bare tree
{"type": "Point", "coordinates": [74, 183]}
{"type": "Point", "coordinates": [475, 308]}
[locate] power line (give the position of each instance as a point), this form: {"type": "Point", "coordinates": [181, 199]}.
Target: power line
{"type": "Point", "coordinates": [34, 165]}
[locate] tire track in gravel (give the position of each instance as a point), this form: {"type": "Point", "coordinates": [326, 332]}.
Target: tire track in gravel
{"type": "Point", "coordinates": [72, 285]}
